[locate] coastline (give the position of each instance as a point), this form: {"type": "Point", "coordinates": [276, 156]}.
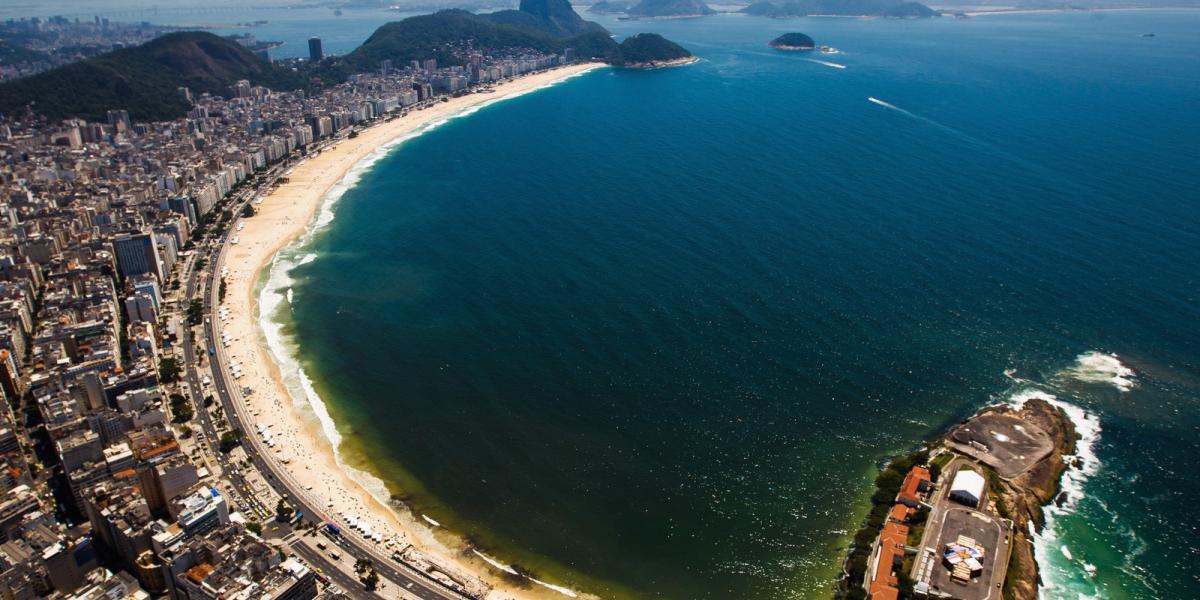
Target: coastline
{"type": "Point", "coordinates": [1035, 11]}
{"type": "Point", "coordinates": [301, 430]}
{"type": "Point", "coordinates": [663, 64]}
{"type": "Point", "coordinates": [1027, 491]}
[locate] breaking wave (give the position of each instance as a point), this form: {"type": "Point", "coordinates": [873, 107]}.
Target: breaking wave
{"type": "Point", "coordinates": [1099, 368]}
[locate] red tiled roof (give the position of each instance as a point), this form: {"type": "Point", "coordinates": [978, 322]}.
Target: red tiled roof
{"type": "Point", "coordinates": [891, 545]}
{"type": "Point", "coordinates": [912, 482]}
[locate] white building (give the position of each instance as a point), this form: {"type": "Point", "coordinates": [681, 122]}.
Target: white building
{"type": "Point", "coordinates": [967, 488]}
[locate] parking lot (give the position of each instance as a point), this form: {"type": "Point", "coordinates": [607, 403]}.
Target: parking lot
{"type": "Point", "coordinates": [988, 532]}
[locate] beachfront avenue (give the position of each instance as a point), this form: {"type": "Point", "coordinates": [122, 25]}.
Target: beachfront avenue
{"type": "Point", "coordinates": [132, 449]}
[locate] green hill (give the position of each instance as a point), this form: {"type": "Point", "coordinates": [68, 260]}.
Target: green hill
{"type": "Point", "coordinates": [670, 8]}
{"type": "Point", "coordinates": [447, 36]}
{"type": "Point", "coordinates": [143, 79]}
{"type": "Point", "coordinates": [649, 49]}
{"type": "Point", "coordinates": [595, 45]}
{"type": "Point", "coordinates": [11, 53]}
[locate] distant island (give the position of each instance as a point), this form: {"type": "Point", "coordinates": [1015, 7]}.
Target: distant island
{"type": "Point", "coordinates": [898, 9]}
{"type": "Point", "coordinates": [604, 7]}
{"type": "Point", "coordinates": [662, 9]}
{"type": "Point", "coordinates": [650, 50]}
{"type": "Point", "coordinates": [793, 41]}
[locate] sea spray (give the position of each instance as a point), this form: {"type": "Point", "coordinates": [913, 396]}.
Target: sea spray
{"type": "Point", "coordinates": [1099, 368]}
{"type": "Point", "coordinates": [1084, 464]}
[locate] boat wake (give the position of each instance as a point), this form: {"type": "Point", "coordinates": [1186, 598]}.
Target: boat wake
{"type": "Point", "coordinates": [884, 104]}
{"type": "Point", "coordinates": [826, 63]}
{"type": "Point", "coordinates": [965, 137]}
{"type": "Point", "coordinates": [928, 121]}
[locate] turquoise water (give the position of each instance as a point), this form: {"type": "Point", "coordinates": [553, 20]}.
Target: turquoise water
{"type": "Point", "coordinates": [650, 333]}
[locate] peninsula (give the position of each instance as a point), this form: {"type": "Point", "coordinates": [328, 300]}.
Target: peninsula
{"type": "Point", "coordinates": [958, 516]}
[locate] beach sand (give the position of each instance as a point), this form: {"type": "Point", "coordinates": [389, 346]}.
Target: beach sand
{"type": "Point", "coordinates": [283, 216]}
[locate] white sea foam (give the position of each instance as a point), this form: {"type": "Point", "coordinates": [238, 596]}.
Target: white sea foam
{"type": "Point", "coordinates": [1097, 367]}
{"type": "Point", "coordinates": [495, 563]}
{"type": "Point", "coordinates": [568, 592]}
{"type": "Point", "coordinates": [511, 571]}
{"type": "Point", "coordinates": [1074, 479]}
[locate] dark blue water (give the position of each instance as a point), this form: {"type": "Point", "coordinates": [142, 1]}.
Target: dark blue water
{"type": "Point", "coordinates": [650, 333]}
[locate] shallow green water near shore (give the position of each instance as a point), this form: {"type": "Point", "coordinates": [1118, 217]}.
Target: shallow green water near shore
{"type": "Point", "coordinates": [650, 333]}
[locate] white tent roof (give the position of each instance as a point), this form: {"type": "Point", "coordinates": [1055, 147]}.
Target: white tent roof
{"type": "Point", "coordinates": [968, 481]}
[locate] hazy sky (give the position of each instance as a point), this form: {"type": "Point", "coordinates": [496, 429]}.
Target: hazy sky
{"type": "Point", "coordinates": [226, 10]}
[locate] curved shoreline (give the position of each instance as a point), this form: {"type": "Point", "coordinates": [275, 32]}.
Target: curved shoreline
{"type": "Point", "coordinates": [301, 428]}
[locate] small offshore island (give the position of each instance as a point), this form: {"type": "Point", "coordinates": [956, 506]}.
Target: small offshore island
{"type": "Point", "coordinates": [652, 51]}
{"type": "Point", "coordinates": [793, 41]}
{"type": "Point", "coordinates": [956, 519]}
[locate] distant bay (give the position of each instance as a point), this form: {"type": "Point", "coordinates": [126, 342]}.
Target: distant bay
{"type": "Point", "coordinates": [650, 333]}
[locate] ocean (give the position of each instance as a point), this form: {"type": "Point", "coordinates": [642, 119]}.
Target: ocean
{"type": "Point", "coordinates": [651, 334]}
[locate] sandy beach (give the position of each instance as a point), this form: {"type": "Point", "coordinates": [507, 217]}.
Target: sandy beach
{"type": "Point", "coordinates": [282, 216]}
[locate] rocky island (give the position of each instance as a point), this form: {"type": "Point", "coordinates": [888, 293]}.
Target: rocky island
{"type": "Point", "coordinates": [652, 51]}
{"type": "Point", "coordinates": [604, 7]}
{"type": "Point", "coordinates": [959, 516]}
{"type": "Point", "coordinates": [793, 41]}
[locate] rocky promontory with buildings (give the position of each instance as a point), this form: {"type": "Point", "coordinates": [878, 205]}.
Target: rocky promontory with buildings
{"type": "Point", "coordinates": [1023, 495]}
{"type": "Point", "coordinates": [957, 518]}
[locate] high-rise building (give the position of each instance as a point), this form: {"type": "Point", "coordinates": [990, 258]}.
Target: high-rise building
{"type": "Point", "coordinates": [314, 49]}
{"type": "Point", "coordinates": [137, 254]}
